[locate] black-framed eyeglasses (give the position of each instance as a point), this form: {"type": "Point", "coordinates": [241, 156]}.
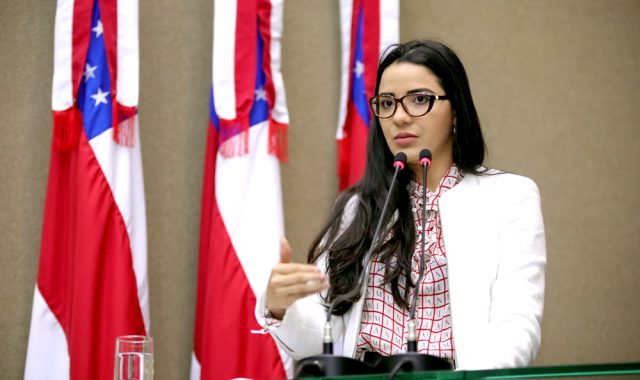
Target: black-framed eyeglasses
{"type": "Point", "coordinates": [414, 104]}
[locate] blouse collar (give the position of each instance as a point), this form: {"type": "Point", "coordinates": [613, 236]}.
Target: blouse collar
{"type": "Point", "coordinates": [448, 181]}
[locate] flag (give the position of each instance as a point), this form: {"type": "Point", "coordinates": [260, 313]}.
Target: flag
{"type": "Point", "coordinates": [92, 279]}
{"type": "Point", "coordinates": [367, 29]}
{"type": "Point", "coordinates": [241, 215]}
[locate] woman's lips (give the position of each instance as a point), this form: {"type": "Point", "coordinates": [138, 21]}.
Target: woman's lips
{"type": "Point", "coordinates": [404, 139]}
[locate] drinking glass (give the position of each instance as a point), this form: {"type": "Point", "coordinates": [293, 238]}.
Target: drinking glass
{"type": "Point", "coordinates": [134, 358]}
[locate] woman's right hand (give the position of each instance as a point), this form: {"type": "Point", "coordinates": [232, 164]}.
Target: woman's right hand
{"type": "Point", "coordinates": [289, 282]}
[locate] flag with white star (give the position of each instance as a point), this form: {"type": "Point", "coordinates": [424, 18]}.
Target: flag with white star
{"type": "Point", "coordinates": [92, 280]}
{"type": "Point", "coordinates": [367, 29]}
{"type": "Point", "coordinates": [241, 215]}
{"type": "Point", "coordinates": [238, 87]}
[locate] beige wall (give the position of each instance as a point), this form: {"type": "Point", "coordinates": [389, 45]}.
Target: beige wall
{"type": "Point", "coordinates": [556, 84]}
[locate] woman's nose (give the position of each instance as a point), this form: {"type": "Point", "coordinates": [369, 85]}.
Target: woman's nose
{"type": "Point", "coordinates": [401, 116]}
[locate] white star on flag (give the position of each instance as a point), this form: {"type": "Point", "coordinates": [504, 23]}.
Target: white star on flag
{"type": "Point", "coordinates": [100, 97]}
{"type": "Point", "coordinates": [261, 94]}
{"type": "Point", "coordinates": [89, 72]}
{"type": "Point", "coordinates": [359, 69]}
{"type": "Point", "coordinates": [98, 29]}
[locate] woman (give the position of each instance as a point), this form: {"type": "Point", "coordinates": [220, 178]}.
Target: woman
{"type": "Point", "coordinates": [481, 295]}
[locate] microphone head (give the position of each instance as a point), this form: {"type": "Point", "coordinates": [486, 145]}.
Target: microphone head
{"type": "Point", "coordinates": [425, 157]}
{"type": "Point", "coordinates": [400, 160]}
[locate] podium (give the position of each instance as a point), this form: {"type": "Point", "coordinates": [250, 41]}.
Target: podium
{"type": "Point", "coordinates": [595, 371]}
{"type": "Point", "coordinates": [331, 365]}
{"type": "Point", "coordinates": [327, 365]}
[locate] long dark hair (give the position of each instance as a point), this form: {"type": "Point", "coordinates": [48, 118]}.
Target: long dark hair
{"type": "Point", "coordinates": [347, 247]}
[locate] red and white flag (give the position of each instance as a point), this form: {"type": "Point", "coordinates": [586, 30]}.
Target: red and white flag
{"type": "Point", "coordinates": [367, 29]}
{"type": "Point", "coordinates": [241, 216]}
{"type": "Point", "coordinates": [92, 281]}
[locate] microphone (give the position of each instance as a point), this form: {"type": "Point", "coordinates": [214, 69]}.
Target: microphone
{"type": "Point", "coordinates": [412, 333]}
{"type": "Point", "coordinates": [425, 160]}
{"type": "Point", "coordinates": [399, 163]}
{"type": "Point", "coordinates": [328, 364]}
{"type": "Point", "coordinates": [412, 360]}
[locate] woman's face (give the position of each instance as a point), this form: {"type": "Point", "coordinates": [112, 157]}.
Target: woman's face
{"type": "Point", "coordinates": [409, 134]}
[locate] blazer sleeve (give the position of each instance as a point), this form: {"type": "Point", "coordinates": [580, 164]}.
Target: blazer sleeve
{"type": "Point", "coordinates": [517, 294]}
{"type": "Point", "coordinates": [300, 332]}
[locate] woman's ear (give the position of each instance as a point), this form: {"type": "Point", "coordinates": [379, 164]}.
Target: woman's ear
{"type": "Point", "coordinates": [454, 123]}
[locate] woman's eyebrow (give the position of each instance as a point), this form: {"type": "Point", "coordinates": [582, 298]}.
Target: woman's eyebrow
{"type": "Point", "coordinates": [424, 89]}
{"type": "Point", "coordinates": [414, 91]}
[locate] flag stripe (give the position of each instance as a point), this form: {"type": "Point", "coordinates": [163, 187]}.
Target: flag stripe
{"type": "Point", "coordinates": [371, 47]}
{"type": "Point", "coordinates": [279, 112]}
{"type": "Point", "coordinates": [81, 32]}
{"type": "Point", "coordinates": [122, 168]}
{"type": "Point", "coordinates": [353, 148]}
{"type": "Point", "coordinates": [245, 57]}
{"type": "Point", "coordinates": [224, 346]}
{"type": "Point", "coordinates": [92, 294]}
{"type": "Point", "coordinates": [251, 219]}
{"type": "Point", "coordinates": [206, 216]}
{"type": "Point", "coordinates": [224, 59]}
{"type": "Point", "coordinates": [389, 25]}
{"type": "Point", "coordinates": [47, 354]}
{"type": "Point", "coordinates": [264, 31]}
{"type": "Point", "coordinates": [346, 8]}
{"type": "Point", "coordinates": [128, 59]}
{"type": "Point", "coordinates": [109, 12]}
{"type": "Point", "coordinates": [62, 89]}
{"type": "Point", "coordinates": [252, 208]}
{"type": "Point", "coordinates": [361, 60]}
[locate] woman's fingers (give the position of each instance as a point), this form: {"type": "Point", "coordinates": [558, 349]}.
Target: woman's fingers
{"type": "Point", "coordinates": [285, 251]}
{"type": "Point", "coordinates": [293, 278]}
{"type": "Point", "coordinates": [290, 281]}
{"type": "Point", "coordinates": [294, 268]}
{"type": "Point", "coordinates": [294, 287]}
{"type": "Point", "coordinates": [282, 298]}
{"type": "Point", "coordinates": [299, 289]}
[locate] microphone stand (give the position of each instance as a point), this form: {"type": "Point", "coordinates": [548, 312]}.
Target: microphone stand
{"type": "Point", "coordinates": [412, 360]}
{"type": "Point", "coordinates": [412, 334]}
{"type": "Point", "coordinates": [328, 364]}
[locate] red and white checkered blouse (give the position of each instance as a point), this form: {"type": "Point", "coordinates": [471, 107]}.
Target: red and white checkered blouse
{"type": "Point", "coordinates": [383, 328]}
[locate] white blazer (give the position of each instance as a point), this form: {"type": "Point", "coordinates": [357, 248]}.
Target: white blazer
{"type": "Point", "coordinates": [494, 241]}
